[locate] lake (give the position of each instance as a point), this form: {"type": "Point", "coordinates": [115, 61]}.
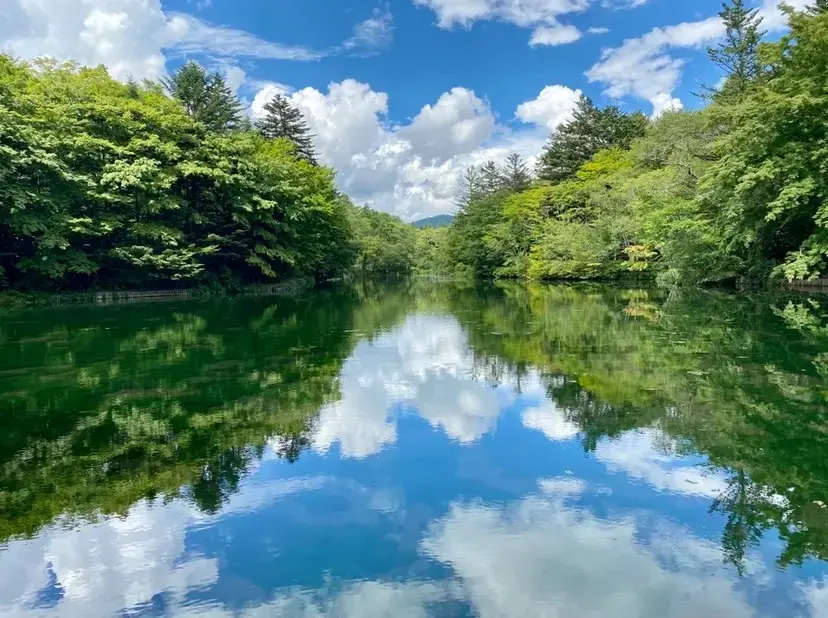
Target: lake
{"type": "Point", "coordinates": [417, 449]}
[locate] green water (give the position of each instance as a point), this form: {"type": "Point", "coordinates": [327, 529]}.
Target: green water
{"type": "Point", "coordinates": [417, 449]}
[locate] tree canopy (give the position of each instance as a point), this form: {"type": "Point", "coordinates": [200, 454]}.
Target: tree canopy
{"type": "Point", "coordinates": [732, 192]}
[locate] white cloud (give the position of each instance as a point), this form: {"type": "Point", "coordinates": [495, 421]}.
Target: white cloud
{"type": "Point", "coordinates": [549, 420]}
{"type": "Point", "coordinates": [188, 35]}
{"type": "Point", "coordinates": [410, 169]}
{"type": "Point", "coordinates": [425, 364]}
{"type": "Point", "coordinates": [558, 34]}
{"type": "Point", "coordinates": [126, 35]}
{"type": "Point", "coordinates": [552, 107]}
{"type": "Point", "coordinates": [540, 15]}
{"type": "Point", "coordinates": [541, 557]}
{"type": "Point", "coordinates": [643, 67]}
{"type": "Point", "coordinates": [372, 35]}
{"type": "Point", "coordinates": [623, 4]}
{"type": "Point", "coordinates": [598, 30]}
{"type": "Point", "coordinates": [458, 123]}
{"type": "Point", "coordinates": [665, 103]}
{"type": "Point", "coordinates": [134, 38]}
{"type": "Point", "coordinates": [645, 455]}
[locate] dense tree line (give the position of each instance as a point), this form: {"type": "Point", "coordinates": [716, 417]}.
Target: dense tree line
{"type": "Point", "coordinates": [736, 191]}
{"type": "Point", "coordinates": [105, 184]}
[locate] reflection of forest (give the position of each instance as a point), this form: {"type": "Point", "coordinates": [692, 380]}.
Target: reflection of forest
{"type": "Point", "coordinates": [740, 381]}
{"type": "Point", "coordinates": [104, 406]}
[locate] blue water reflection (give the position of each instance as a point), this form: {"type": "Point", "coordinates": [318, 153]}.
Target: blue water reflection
{"type": "Point", "coordinates": [433, 487]}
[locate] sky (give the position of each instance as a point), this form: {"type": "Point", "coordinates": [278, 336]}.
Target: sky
{"type": "Point", "coordinates": [402, 95]}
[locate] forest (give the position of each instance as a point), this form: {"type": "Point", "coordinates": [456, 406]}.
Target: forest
{"type": "Point", "coordinates": [111, 185]}
{"type": "Point", "coordinates": [125, 185]}
{"type": "Point", "coordinates": [735, 192]}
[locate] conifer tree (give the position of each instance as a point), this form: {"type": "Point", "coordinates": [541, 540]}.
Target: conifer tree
{"type": "Point", "coordinates": [516, 173]}
{"type": "Point", "coordinates": [591, 129]}
{"type": "Point", "coordinates": [470, 187]}
{"type": "Point", "coordinates": [737, 54]}
{"type": "Point", "coordinates": [284, 120]}
{"type": "Point", "coordinates": [205, 97]}
{"type": "Point", "coordinates": [492, 179]}
{"type": "Point", "coordinates": [819, 6]}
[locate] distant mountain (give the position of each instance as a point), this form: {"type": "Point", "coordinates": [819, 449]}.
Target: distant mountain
{"type": "Point", "coordinates": [438, 221]}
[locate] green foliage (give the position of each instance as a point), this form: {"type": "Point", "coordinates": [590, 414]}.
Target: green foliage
{"type": "Point", "coordinates": [385, 244]}
{"type": "Point", "coordinates": [590, 130]}
{"type": "Point", "coordinates": [769, 189]}
{"type": "Point", "coordinates": [734, 193]}
{"type": "Point", "coordinates": [737, 55]}
{"type": "Point", "coordinates": [431, 255]}
{"type": "Point", "coordinates": [105, 184]}
{"type": "Point", "coordinates": [284, 120]}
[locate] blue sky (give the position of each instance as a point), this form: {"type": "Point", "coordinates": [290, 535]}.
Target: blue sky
{"type": "Point", "coordinates": [402, 95]}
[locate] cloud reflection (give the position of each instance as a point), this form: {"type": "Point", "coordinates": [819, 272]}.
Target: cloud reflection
{"type": "Point", "coordinates": [425, 364]}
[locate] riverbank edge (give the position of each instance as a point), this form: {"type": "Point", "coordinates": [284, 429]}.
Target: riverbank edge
{"type": "Point", "coordinates": [12, 300]}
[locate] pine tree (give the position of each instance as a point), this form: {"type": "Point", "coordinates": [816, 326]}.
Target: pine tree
{"type": "Point", "coordinates": [206, 97]}
{"type": "Point", "coordinates": [470, 187]}
{"type": "Point", "coordinates": [286, 121]}
{"type": "Point", "coordinates": [492, 179]}
{"type": "Point", "coordinates": [591, 129]}
{"type": "Point", "coordinates": [737, 54]}
{"type": "Point", "coordinates": [819, 6]}
{"type": "Point", "coordinates": [517, 173]}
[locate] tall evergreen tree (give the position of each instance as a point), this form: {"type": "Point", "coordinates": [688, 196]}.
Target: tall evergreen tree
{"type": "Point", "coordinates": [492, 179]}
{"type": "Point", "coordinates": [470, 187]}
{"type": "Point", "coordinates": [737, 54]}
{"type": "Point", "coordinates": [591, 129]}
{"type": "Point", "coordinates": [205, 97]}
{"type": "Point", "coordinates": [819, 6]}
{"type": "Point", "coordinates": [283, 120]}
{"type": "Point", "coordinates": [516, 173]}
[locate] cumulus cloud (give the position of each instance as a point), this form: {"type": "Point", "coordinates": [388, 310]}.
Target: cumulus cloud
{"type": "Point", "coordinates": [410, 169]}
{"type": "Point", "coordinates": [541, 557]}
{"type": "Point", "coordinates": [127, 35]}
{"type": "Point", "coordinates": [645, 455]}
{"type": "Point", "coordinates": [540, 15]}
{"type": "Point", "coordinates": [645, 66]}
{"type": "Point", "coordinates": [135, 38]}
{"type": "Point", "coordinates": [425, 364]}
{"type": "Point", "coordinates": [552, 107]}
{"type": "Point", "coordinates": [459, 122]}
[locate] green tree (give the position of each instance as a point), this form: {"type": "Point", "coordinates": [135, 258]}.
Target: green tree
{"type": "Point", "coordinates": [492, 178]}
{"type": "Point", "coordinates": [590, 130]}
{"type": "Point", "coordinates": [768, 189]}
{"type": "Point", "coordinates": [516, 173]}
{"type": "Point", "coordinates": [737, 55]}
{"type": "Point", "coordinates": [819, 6]}
{"type": "Point", "coordinates": [385, 244]}
{"type": "Point", "coordinates": [283, 120]}
{"type": "Point", "coordinates": [205, 96]}
{"type": "Point", "coordinates": [470, 188]}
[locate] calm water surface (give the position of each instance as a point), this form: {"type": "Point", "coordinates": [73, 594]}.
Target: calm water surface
{"type": "Point", "coordinates": [417, 450]}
